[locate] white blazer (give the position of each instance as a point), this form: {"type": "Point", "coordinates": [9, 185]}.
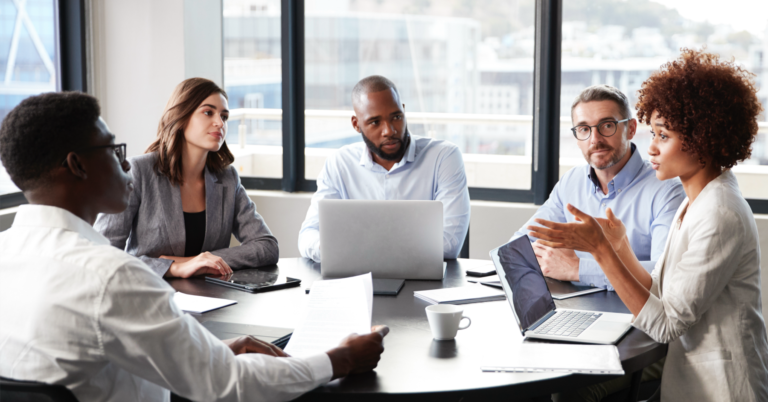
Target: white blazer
{"type": "Point", "coordinates": [705, 301]}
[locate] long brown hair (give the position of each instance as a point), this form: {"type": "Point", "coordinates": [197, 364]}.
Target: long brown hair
{"type": "Point", "coordinates": [186, 98]}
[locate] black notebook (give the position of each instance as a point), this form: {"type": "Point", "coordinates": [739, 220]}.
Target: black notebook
{"type": "Point", "coordinates": [560, 290]}
{"type": "Point", "coordinates": [228, 330]}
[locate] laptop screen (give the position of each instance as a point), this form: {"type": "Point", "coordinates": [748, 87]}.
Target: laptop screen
{"type": "Point", "coordinates": [526, 287]}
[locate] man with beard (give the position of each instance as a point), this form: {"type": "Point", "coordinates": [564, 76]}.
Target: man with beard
{"type": "Point", "coordinates": [391, 164]}
{"type": "Point", "coordinates": [615, 177]}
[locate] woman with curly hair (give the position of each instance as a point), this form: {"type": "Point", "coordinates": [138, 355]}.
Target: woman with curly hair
{"type": "Point", "coordinates": [703, 297]}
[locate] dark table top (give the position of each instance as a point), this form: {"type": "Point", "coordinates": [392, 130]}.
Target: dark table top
{"type": "Point", "coordinates": [413, 364]}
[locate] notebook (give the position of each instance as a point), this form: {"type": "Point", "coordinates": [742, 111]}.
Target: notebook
{"type": "Point", "coordinates": [460, 295]}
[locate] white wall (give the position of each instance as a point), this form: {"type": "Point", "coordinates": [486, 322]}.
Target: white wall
{"type": "Point", "coordinates": [140, 50]}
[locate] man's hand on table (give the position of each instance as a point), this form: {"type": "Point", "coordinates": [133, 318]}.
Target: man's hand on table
{"type": "Point", "coordinates": [358, 353]}
{"type": "Point", "coordinates": [557, 263]}
{"type": "Point", "coordinates": [249, 344]}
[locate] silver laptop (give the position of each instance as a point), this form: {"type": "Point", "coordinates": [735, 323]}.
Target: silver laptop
{"type": "Point", "coordinates": [534, 309]}
{"type": "Point", "coordinates": [390, 239]}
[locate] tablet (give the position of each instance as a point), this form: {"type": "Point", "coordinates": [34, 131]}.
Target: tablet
{"type": "Point", "coordinates": [255, 280]}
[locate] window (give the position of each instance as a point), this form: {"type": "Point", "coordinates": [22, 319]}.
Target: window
{"type": "Point", "coordinates": [253, 81]}
{"type": "Point", "coordinates": [463, 69]}
{"type": "Point", "coordinates": [28, 59]}
{"type": "Point", "coordinates": [621, 43]}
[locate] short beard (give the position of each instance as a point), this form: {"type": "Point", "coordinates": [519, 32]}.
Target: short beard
{"type": "Point", "coordinates": [615, 157]}
{"type": "Point", "coordinates": [386, 156]}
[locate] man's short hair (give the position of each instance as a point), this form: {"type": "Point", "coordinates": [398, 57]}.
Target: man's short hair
{"type": "Point", "coordinates": [374, 83]}
{"type": "Point", "coordinates": [602, 92]}
{"type": "Point", "coordinates": [37, 135]}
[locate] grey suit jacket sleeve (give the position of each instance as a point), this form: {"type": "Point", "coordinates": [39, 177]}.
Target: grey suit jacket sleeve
{"type": "Point", "coordinates": [257, 245]}
{"type": "Point", "coordinates": [117, 228]}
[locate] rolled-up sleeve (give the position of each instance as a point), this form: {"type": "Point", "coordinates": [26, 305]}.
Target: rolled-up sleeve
{"type": "Point", "coordinates": [695, 281]}
{"type": "Point", "coordinates": [154, 340]}
{"type": "Point", "coordinates": [452, 191]}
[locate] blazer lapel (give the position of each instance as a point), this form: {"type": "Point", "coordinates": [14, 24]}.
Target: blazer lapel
{"type": "Point", "coordinates": [214, 208]}
{"type": "Point", "coordinates": [174, 215]}
{"type": "Point", "coordinates": [674, 228]}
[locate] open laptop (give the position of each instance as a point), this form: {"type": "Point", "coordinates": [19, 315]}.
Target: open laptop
{"type": "Point", "coordinates": [534, 308]}
{"type": "Point", "coordinates": [389, 239]}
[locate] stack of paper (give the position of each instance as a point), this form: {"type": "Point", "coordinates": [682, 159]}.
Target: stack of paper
{"type": "Point", "coordinates": [337, 308]}
{"type": "Point", "coordinates": [199, 304]}
{"type": "Point", "coordinates": [460, 295]}
{"type": "Point", "coordinates": [561, 358]}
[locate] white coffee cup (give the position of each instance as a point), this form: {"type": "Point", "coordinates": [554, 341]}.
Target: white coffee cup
{"type": "Point", "coordinates": [444, 320]}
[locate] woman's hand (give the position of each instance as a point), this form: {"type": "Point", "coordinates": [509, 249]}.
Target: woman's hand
{"type": "Point", "coordinates": [614, 229]}
{"type": "Point", "coordinates": [585, 235]}
{"type": "Point", "coordinates": [249, 344]}
{"type": "Point", "coordinates": [205, 263]}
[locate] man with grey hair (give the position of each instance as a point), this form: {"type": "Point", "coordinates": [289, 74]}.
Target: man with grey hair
{"type": "Point", "coordinates": [391, 164]}
{"type": "Point", "coordinates": [615, 177]}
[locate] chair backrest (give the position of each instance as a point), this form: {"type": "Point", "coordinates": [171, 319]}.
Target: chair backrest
{"type": "Point", "coordinates": [29, 391]}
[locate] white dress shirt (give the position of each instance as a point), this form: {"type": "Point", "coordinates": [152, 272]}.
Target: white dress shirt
{"type": "Point", "coordinates": [430, 170]}
{"type": "Point", "coordinates": [705, 301]}
{"type": "Point", "coordinates": [78, 312]}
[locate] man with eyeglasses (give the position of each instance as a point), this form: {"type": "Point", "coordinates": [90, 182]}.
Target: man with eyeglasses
{"type": "Point", "coordinates": [615, 177]}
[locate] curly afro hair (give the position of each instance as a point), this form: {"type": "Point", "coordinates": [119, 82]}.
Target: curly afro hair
{"type": "Point", "coordinates": [39, 132]}
{"type": "Point", "coordinates": [710, 102]}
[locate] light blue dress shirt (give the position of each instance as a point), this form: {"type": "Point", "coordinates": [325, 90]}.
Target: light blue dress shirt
{"type": "Point", "coordinates": [644, 204]}
{"type": "Point", "coordinates": [430, 170]}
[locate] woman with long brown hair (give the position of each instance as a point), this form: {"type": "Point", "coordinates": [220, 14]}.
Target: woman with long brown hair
{"type": "Point", "coordinates": [187, 199]}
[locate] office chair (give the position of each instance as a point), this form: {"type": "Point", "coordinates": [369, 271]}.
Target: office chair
{"type": "Point", "coordinates": [464, 253]}
{"type": "Point", "coordinates": [30, 391]}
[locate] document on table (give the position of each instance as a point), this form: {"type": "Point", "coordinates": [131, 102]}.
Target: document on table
{"type": "Point", "coordinates": [337, 308]}
{"type": "Point", "coordinates": [199, 304]}
{"type": "Point", "coordinates": [560, 358]}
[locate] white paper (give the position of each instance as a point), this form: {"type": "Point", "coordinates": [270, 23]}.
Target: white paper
{"type": "Point", "coordinates": [461, 295]}
{"type": "Point", "coordinates": [562, 358]}
{"type": "Point", "coordinates": [199, 304]}
{"type": "Point", "coordinates": [337, 308]}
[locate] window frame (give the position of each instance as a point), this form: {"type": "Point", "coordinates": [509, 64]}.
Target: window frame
{"type": "Point", "coordinates": [70, 24]}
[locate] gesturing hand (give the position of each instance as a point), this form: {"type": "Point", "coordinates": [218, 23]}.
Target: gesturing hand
{"type": "Point", "coordinates": [358, 353]}
{"type": "Point", "coordinates": [205, 263]}
{"type": "Point", "coordinates": [614, 229]}
{"type": "Point", "coordinates": [249, 344]}
{"type": "Point", "coordinates": [584, 235]}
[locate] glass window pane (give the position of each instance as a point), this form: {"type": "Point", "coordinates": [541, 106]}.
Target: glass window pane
{"type": "Point", "coordinates": [253, 81]}
{"type": "Point", "coordinates": [463, 69]}
{"type": "Point", "coordinates": [27, 58]}
{"type": "Point", "coordinates": [621, 43]}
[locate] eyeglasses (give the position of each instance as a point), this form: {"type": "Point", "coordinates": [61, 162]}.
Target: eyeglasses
{"type": "Point", "coordinates": [119, 150]}
{"type": "Point", "coordinates": [606, 129]}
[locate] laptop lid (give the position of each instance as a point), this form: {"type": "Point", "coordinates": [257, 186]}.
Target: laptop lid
{"type": "Point", "coordinates": [389, 239]}
{"type": "Point", "coordinates": [523, 282]}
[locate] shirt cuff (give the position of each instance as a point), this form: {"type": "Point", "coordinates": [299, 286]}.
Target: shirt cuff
{"type": "Point", "coordinates": [649, 315]}
{"type": "Point", "coordinates": [590, 274]}
{"type": "Point", "coordinates": [321, 367]}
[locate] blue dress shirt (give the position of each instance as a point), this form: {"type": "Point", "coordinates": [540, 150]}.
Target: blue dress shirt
{"type": "Point", "coordinates": [430, 170]}
{"type": "Point", "coordinates": [644, 204]}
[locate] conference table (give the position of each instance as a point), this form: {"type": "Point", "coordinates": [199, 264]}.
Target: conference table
{"type": "Point", "coordinates": [413, 365]}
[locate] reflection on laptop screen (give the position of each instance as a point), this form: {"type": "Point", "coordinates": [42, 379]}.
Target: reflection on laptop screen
{"type": "Point", "coordinates": [530, 296]}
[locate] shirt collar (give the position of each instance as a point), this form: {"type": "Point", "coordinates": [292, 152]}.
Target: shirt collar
{"type": "Point", "coordinates": [625, 176]}
{"type": "Point", "coordinates": [366, 159]}
{"type": "Point", "coordinates": [46, 216]}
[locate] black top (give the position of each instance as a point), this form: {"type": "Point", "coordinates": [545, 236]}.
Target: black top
{"type": "Point", "coordinates": [194, 224]}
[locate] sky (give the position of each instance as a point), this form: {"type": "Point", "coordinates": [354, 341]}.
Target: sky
{"type": "Point", "coordinates": [750, 15]}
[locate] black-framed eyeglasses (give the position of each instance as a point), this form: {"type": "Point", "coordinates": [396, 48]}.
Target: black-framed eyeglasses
{"type": "Point", "coordinates": [118, 148]}
{"type": "Point", "coordinates": [607, 128]}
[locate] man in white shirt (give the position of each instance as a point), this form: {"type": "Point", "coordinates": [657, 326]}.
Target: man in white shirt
{"type": "Point", "coordinates": [391, 164]}
{"type": "Point", "coordinates": [78, 312]}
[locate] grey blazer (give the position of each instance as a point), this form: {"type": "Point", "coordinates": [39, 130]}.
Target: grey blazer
{"type": "Point", "coordinates": [153, 223]}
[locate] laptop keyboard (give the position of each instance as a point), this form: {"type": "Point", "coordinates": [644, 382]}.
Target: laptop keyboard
{"type": "Point", "coordinates": [568, 323]}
